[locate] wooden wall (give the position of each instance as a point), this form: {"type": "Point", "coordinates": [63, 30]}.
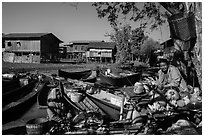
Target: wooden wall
{"type": "Point", "coordinates": [22, 45]}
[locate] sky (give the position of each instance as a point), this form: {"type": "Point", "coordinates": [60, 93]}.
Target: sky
{"type": "Point", "coordinates": [63, 19]}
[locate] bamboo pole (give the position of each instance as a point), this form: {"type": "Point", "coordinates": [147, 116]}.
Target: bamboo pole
{"type": "Point", "coordinates": [122, 108]}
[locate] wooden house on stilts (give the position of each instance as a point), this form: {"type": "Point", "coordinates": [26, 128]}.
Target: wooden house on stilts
{"type": "Point", "coordinates": [31, 47]}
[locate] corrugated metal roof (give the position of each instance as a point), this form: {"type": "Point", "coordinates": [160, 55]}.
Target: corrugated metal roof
{"type": "Point", "coordinates": [101, 45]}
{"type": "Point", "coordinates": [83, 41]}
{"type": "Point", "coordinates": [25, 35]}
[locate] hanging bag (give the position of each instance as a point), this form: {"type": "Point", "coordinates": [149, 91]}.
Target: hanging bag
{"type": "Point", "coordinates": [182, 26]}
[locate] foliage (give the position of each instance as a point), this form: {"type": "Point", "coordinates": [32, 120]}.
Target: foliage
{"type": "Point", "coordinates": [149, 46]}
{"type": "Point", "coordinates": [148, 13]}
{"type": "Point", "coordinates": [128, 41]}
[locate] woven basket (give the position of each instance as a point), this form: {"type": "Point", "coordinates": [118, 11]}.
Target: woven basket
{"type": "Point", "coordinates": [36, 126]}
{"type": "Point", "coordinates": [182, 26]}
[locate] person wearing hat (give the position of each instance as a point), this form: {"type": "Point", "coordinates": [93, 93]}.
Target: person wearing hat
{"type": "Point", "coordinates": [169, 76]}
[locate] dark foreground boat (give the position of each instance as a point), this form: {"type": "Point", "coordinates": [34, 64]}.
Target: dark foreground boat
{"type": "Point", "coordinates": [17, 107]}
{"type": "Point", "coordinates": [43, 94]}
{"type": "Point", "coordinates": [15, 94]}
{"type": "Point", "coordinates": [128, 80]}
{"type": "Point", "coordinates": [42, 97]}
{"type": "Point", "coordinates": [90, 79]}
{"type": "Point", "coordinates": [75, 75]}
{"type": "Point", "coordinates": [9, 84]}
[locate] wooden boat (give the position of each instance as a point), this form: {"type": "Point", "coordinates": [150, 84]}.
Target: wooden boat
{"type": "Point", "coordinates": [85, 105]}
{"type": "Point", "coordinates": [125, 80]}
{"type": "Point", "coordinates": [42, 97]}
{"type": "Point", "coordinates": [15, 94]}
{"type": "Point", "coordinates": [91, 79]}
{"type": "Point", "coordinates": [17, 107]}
{"type": "Point", "coordinates": [75, 75]}
{"type": "Point", "coordinates": [9, 84]}
{"type": "Point", "coordinates": [91, 103]}
{"type": "Point", "coordinates": [43, 94]}
{"type": "Point", "coordinates": [111, 110]}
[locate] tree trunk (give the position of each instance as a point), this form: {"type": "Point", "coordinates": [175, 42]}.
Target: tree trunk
{"type": "Point", "coordinates": [196, 7]}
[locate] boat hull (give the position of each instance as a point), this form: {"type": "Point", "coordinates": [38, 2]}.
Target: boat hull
{"type": "Point", "coordinates": [42, 97]}
{"type": "Point", "coordinates": [75, 75]}
{"type": "Point", "coordinates": [9, 84]}
{"type": "Point", "coordinates": [16, 109]}
{"type": "Point", "coordinates": [17, 93]}
{"type": "Point", "coordinates": [120, 81]}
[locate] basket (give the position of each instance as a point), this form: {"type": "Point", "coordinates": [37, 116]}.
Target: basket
{"type": "Point", "coordinates": [182, 26]}
{"type": "Point", "coordinates": [77, 97]}
{"type": "Point", "coordinates": [36, 126]}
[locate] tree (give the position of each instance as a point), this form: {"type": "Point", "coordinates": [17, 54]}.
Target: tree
{"type": "Point", "coordinates": [117, 12]}
{"type": "Point", "coordinates": [195, 52]}
{"type": "Point", "coordinates": [149, 14]}
{"type": "Point", "coordinates": [121, 36]}
{"type": "Point", "coordinates": [128, 41]}
{"type": "Point", "coordinates": [148, 48]}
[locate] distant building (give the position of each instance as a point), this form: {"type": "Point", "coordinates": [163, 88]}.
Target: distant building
{"type": "Point", "coordinates": [101, 52]}
{"type": "Point", "coordinates": [90, 51]}
{"type": "Point", "coordinates": [76, 51]}
{"type": "Point", "coordinates": [31, 47]}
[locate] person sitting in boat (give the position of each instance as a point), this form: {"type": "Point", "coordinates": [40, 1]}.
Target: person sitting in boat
{"type": "Point", "coordinates": [57, 111]}
{"type": "Point", "coordinates": [169, 76]}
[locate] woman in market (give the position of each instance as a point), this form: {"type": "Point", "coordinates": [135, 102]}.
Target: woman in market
{"type": "Point", "coordinates": [170, 76]}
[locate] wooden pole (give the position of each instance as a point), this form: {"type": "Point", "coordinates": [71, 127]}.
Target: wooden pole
{"type": "Point", "coordinates": [122, 108]}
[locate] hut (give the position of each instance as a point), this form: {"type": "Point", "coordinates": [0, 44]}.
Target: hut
{"type": "Point", "coordinates": [31, 47]}
{"type": "Point", "coordinates": [101, 52]}
{"type": "Point", "coordinates": [76, 51]}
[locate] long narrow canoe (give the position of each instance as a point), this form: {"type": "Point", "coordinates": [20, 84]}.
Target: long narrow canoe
{"type": "Point", "coordinates": [42, 97]}
{"type": "Point", "coordinates": [91, 103]}
{"type": "Point", "coordinates": [111, 110]}
{"type": "Point", "coordinates": [85, 105]}
{"type": "Point", "coordinates": [90, 79]}
{"type": "Point", "coordinates": [17, 108]}
{"type": "Point", "coordinates": [75, 75]}
{"type": "Point", "coordinates": [128, 80]}
{"type": "Point", "coordinates": [15, 94]}
{"type": "Point", "coordinates": [107, 110]}
{"type": "Point", "coordinates": [9, 84]}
